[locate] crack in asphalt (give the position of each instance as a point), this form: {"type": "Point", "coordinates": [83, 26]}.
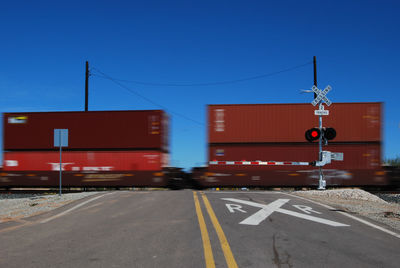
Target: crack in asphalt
{"type": "Point", "coordinates": [277, 260]}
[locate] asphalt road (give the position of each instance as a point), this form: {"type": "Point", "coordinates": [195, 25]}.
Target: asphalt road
{"type": "Point", "coordinates": [195, 229]}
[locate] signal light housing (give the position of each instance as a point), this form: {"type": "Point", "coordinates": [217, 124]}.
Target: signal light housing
{"type": "Point", "coordinates": [329, 133]}
{"type": "Point", "coordinates": [313, 134]}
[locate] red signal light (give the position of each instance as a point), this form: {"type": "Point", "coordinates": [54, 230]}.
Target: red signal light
{"type": "Point", "coordinates": [313, 134]}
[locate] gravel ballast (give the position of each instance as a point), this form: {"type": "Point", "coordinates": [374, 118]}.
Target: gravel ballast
{"type": "Point", "coordinates": [18, 206]}
{"type": "Point", "coordinates": [359, 202]}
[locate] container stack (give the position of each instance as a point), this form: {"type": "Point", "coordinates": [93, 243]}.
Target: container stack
{"type": "Point", "coordinates": [276, 132]}
{"type": "Point", "coordinates": [103, 147]}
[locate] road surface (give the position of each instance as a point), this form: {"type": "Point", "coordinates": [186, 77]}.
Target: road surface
{"type": "Point", "coordinates": [195, 229]}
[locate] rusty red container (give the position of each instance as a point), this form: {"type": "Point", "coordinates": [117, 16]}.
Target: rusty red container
{"type": "Point", "coordinates": [86, 161]}
{"type": "Point", "coordinates": [264, 123]}
{"type": "Point", "coordinates": [87, 130]}
{"type": "Point", "coordinates": [356, 156]}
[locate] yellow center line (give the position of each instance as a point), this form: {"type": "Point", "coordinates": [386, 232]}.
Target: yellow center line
{"type": "Point", "coordinates": [230, 260]}
{"type": "Point", "coordinates": [208, 255]}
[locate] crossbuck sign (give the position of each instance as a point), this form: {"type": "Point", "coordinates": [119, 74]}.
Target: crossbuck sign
{"type": "Point", "coordinates": [321, 95]}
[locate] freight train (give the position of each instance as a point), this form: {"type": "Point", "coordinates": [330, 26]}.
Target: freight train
{"type": "Point", "coordinates": [131, 148]}
{"type": "Point", "coordinates": [104, 149]}
{"type": "Point", "coordinates": [276, 133]}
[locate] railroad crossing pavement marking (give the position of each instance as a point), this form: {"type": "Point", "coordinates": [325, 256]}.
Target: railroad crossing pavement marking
{"type": "Point", "coordinates": [275, 206]}
{"type": "Point", "coordinates": [348, 215]}
{"type": "Point", "coordinates": [397, 235]}
{"type": "Point", "coordinates": [306, 209]}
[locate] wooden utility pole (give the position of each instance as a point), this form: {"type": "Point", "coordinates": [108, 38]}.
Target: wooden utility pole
{"type": "Point", "coordinates": [315, 74]}
{"type": "Point", "coordinates": [87, 87]}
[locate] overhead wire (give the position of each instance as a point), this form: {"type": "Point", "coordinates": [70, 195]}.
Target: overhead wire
{"type": "Point", "coordinates": [118, 82]}
{"type": "Point", "coordinates": [145, 98]}
{"type": "Point", "coordinates": [211, 83]}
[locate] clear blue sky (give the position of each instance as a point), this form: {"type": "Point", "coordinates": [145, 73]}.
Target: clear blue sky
{"type": "Point", "coordinates": [44, 46]}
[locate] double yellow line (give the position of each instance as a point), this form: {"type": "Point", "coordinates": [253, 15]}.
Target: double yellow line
{"type": "Point", "coordinates": [210, 263]}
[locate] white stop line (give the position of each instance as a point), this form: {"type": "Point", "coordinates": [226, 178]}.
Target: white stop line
{"type": "Point", "coordinates": [275, 206]}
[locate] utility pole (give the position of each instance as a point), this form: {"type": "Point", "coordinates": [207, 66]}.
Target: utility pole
{"type": "Point", "coordinates": [87, 87]}
{"type": "Point", "coordinates": [315, 74]}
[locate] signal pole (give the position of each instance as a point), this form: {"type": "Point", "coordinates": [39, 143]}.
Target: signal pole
{"type": "Point", "coordinates": [322, 182]}
{"type": "Point", "coordinates": [87, 87]}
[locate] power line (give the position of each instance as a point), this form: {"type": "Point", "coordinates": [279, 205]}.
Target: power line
{"type": "Point", "coordinates": [208, 83]}
{"type": "Point", "coordinates": [117, 81]}
{"type": "Point", "coordinates": [145, 98]}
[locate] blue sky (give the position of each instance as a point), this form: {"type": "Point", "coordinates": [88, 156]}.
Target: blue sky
{"type": "Point", "coordinates": [44, 46]}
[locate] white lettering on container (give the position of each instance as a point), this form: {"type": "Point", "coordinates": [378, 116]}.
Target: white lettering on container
{"type": "Point", "coordinates": [219, 120]}
{"type": "Point", "coordinates": [56, 166]}
{"type": "Point", "coordinates": [97, 168]}
{"type": "Point", "coordinates": [11, 163]}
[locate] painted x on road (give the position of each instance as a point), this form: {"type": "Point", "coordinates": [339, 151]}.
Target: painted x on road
{"type": "Point", "coordinates": [275, 206]}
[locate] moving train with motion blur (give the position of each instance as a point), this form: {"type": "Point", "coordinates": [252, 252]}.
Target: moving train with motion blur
{"type": "Point", "coordinates": [256, 145]}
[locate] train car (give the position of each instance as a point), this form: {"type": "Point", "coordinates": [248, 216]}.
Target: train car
{"type": "Point", "coordinates": [276, 133]}
{"type": "Point", "coordinates": [105, 149]}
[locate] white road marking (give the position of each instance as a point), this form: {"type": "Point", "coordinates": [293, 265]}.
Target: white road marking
{"type": "Point", "coordinates": [267, 210]}
{"type": "Point", "coordinates": [262, 214]}
{"type": "Point", "coordinates": [312, 218]}
{"type": "Point", "coordinates": [306, 209]}
{"type": "Point", "coordinates": [320, 204]}
{"type": "Point", "coordinates": [252, 204]}
{"type": "Point", "coordinates": [350, 216]}
{"type": "Point", "coordinates": [370, 224]}
{"type": "Point", "coordinates": [233, 207]}
{"type": "Point", "coordinates": [73, 208]}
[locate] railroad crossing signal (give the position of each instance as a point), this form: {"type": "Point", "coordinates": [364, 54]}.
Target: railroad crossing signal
{"type": "Point", "coordinates": [321, 95]}
{"type": "Point", "coordinates": [328, 133]}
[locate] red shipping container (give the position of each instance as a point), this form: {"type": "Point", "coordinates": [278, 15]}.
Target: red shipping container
{"type": "Point", "coordinates": [88, 161]}
{"type": "Point", "coordinates": [356, 156]}
{"type": "Point", "coordinates": [87, 130]}
{"type": "Point", "coordinates": [354, 122]}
